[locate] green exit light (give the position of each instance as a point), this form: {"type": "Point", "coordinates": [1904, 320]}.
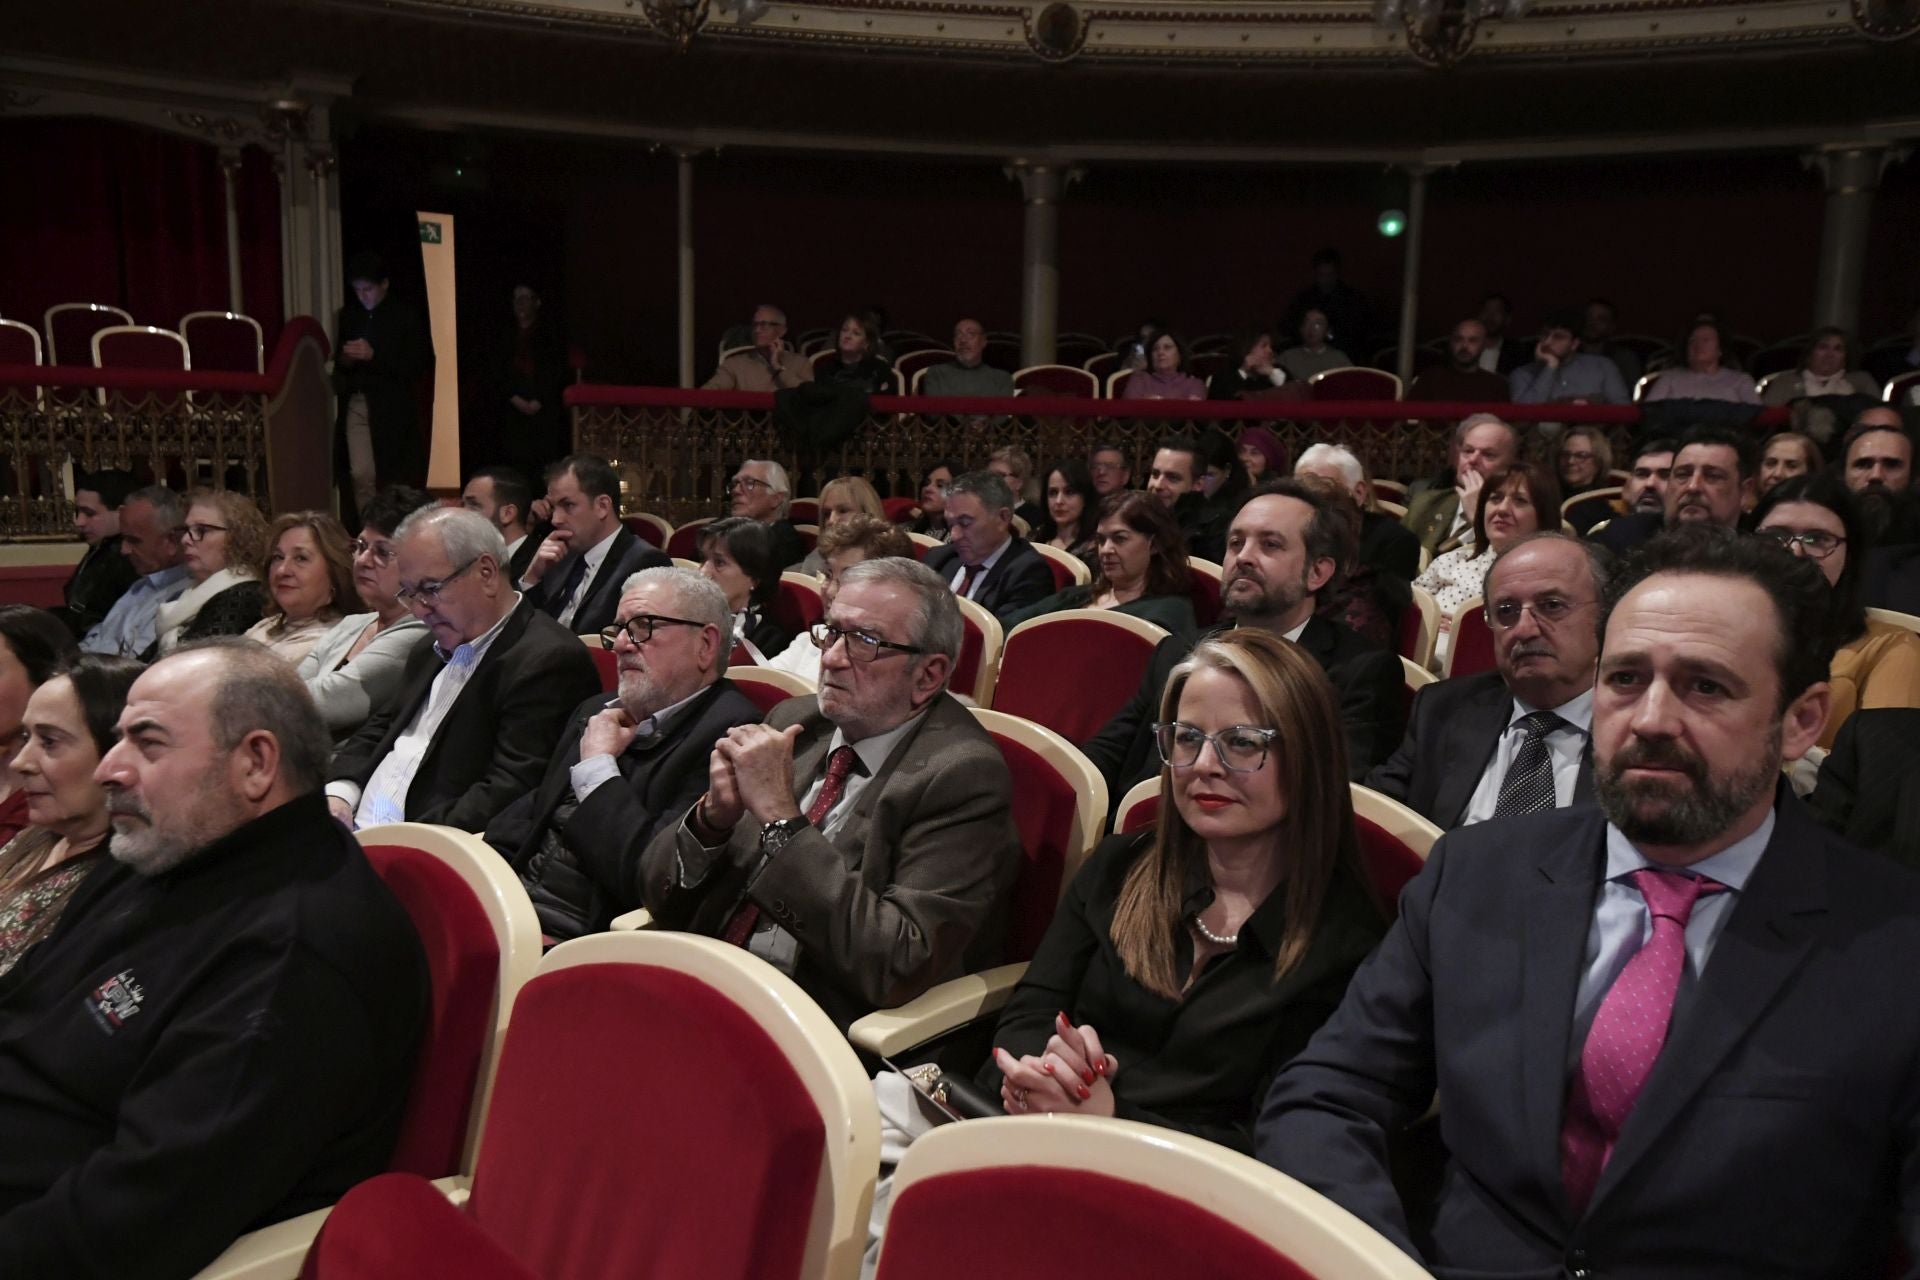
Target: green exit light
{"type": "Point", "coordinates": [1392, 223]}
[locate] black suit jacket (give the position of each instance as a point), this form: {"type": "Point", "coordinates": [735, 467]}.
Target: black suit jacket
{"type": "Point", "coordinates": [1624, 533]}
{"type": "Point", "coordinates": [1451, 736]}
{"type": "Point", "coordinates": [1388, 546]}
{"type": "Point", "coordinates": [500, 732]}
{"type": "Point", "coordinates": [1019, 578]}
{"type": "Point", "coordinates": [402, 355]}
{"type": "Point", "coordinates": [599, 875]}
{"type": "Point", "coordinates": [627, 556]}
{"type": "Point", "coordinates": [1367, 678]}
{"type": "Point", "coordinates": [1869, 788]}
{"type": "Point", "coordinates": [99, 580]}
{"type": "Point", "coordinates": [1775, 1137]}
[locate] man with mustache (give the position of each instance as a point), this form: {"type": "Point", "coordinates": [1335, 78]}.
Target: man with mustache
{"type": "Point", "coordinates": [221, 1030]}
{"type": "Point", "coordinates": [1878, 451]}
{"type": "Point", "coordinates": [1513, 740]}
{"type": "Point", "coordinates": [1712, 481]}
{"type": "Point", "coordinates": [1674, 1035]}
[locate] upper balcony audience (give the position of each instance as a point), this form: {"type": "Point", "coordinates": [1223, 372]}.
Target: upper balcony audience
{"type": "Point", "coordinates": [760, 491]}
{"type": "Point", "coordinates": [1315, 352]}
{"type": "Point", "coordinates": [1827, 368]}
{"type": "Point", "coordinates": [104, 572]}
{"type": "Point", "coordinates": [310, 587]}
{"type": "Point", "coordinates": [861, 363]}
{"type": "Point", "coordinates": [1894, 360]}
{"type": "Point", "coordinates": [223, 543]}
{"type": "Point", "coordinates": [1514, 503]}
{"type": "Point", "coordinates": [1498, 354]}
{"type": "Point", "coordinates": [1166, 376]}
{"type": "Point", "coordinates": [531, 425]}
{"type": "Point", "coordinates": [1142, 569]}
{"type": "Point", "coordinates": [1561, 373]}
{"type": "Point", "coordinates": [1598, 329]}
{"type": "Point", "coordinates": [150, 537]}
{"type": "Point", "coordinates": [769, 365]}
{"type": "Point", "coordinates": [1462, 379]}
{"type": "Point", "coordinates": [737, 556]}
{"type": "Point", "coordinates": [503, 496]}
{"type": "Point", "coordinates": [1643, 1020]}
{"type": "Point", "coordinates": [575, 576]}
{"type": "Point", "coordinates": [843, 544]}
{"type": "Point", "coordinates": [861, 841]}
{"type": "Point", "coordinates": [1445, 509]}
{"type": "Point", "coordinates": [1706, 375]}
{"type": "Point", "coordinates": [1349, 315]}
{"type": "Point", "coordinates": [1250, 370]}
{"type": "Point", "coordinates": [221, 1029]}
{"type": "Point", "coordinates": [1711, 482]}
{"type": "Point", "coordinates": [984, 559]}
{"type": "Point", "coordinates": [33, 647]}
{"type": "Point", "coordinates": [381, 352]}
{"type": "Point", "coordinates": [967, 374]}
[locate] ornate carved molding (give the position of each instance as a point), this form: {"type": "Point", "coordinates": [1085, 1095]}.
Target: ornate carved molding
{"type": "Point", "coordinates": [214, 128]}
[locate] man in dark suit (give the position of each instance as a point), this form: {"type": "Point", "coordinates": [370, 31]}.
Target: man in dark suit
{"type": "Point", "coordinates": [628, 767]}
{"type": "Point", "coordinates": [505, 497]}
{"type": "Point", "coordinates": [1284, 547]}
{"type": "Point", "coordinates": [760, 490]}
{"type": "Point", "coordinates": [984, 559]}
{"type": "Point", "coordinates": [1672, 1035]}
{"type": "Point", "coordinates": [576, 576]}
{"type": "Point", "coordinates": [479, 711]}
{"type": "Point", "coordinates": [381, 351]}
{"type": "Point", "coordinates": [1869, 787]}
{"type": "Point", "coordinates": [861, 841]}
{"type": "Point", "coordinates": [104, 572]}
{"type": "Point", "coordinates": [1513, 740]}
{"type": "Point", "coordinates": [1713, 477]}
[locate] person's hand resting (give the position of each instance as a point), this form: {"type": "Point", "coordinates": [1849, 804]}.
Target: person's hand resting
{"type": "Point", "coordinates": [1073, 1075]}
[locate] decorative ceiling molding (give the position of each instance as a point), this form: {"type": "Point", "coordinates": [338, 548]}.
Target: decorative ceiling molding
{"type": "Point", "coordinates": [228, 114]}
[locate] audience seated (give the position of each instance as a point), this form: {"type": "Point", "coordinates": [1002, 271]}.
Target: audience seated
{"type": "Point", "coordinates": [221, 1029]}
{"type": "Point", "coordinates": [1519, 501]}
{"type": "Point", "coordinates": [628, 767]}
{"type": "Point", "coordinates": [150, 521]}
{"type": "Point", "coordinates": [1513, 740]}
{"type": "Point", "coordinates": [860, 841]}
{"type": "Point", "coordinates": [1878, 452]}
{"type": "Point", "coordinates": [223, 543]}
{"type": "Point", "coordinates": [1250, 370]}
{"type": "Point", "coordinates": [967, 374]}
{"type": "Point", "coordinates": [68, 725]}
{"type": "Point", "coordinates": [360, 662]}
{"type": "Point", "coordinates": [309, 577]}
{"type": "Point", "coordinates": [1644, 490]}
{"type": "Point", "coordinates": [845, 543]}
{"type": "Point", "coordinates": [33, 648]}
{"type": "Point", "coordinates": [1875, 664]}
{"type": "Point", "coordinates": [1600, 324]}
{"type": "Point", "coordinates": [1497, 354]}
{"type": "Point", "coordinates": [1461, 379]}
{"type": "Point", "coordinates": [1388, 555]}
{"type": "Point", "coordinates": [575, 576]}
{"type": "Point", "coordinates": [1142, 569]}
{"type": "Point", "coordinates": [770, 365]}
{"type": "Point", "coordinates": [984, 559]}
{"type": "Point", "coordinates": [1869, 785]}
{"type": "Point", "coordinates": [1706, 376]}
{"type": "Point", "coordinates": [1284, 548]}
{"type": "Point", "coordinates": [503, 496]}
{"type": "Point", "coordinates": [1107, 464]}
{"type": "Point", "coordinates": [1015, 465]}
{"type": "Point", "coordinates": [1174, 480]}
{"type": "Point", "coordinates": [934, 482]}
{"type": "Point", "coordinates": [1561, 373]}
{"type": "Point", "coordinates": [1166, 376]}
{"type": "Point", "coordinates": [1444, 511]}
{"type": "Point", "coordinates": [1711, 482]}
{"type": "Point", "coordinates": [1786, 454]}
{"type": "Point", "coordinates": [1315, 353]}
{"type": "Point", "coordinates": [479, 711]}
{"type": "Point", "coordinates": [737, 555]}
{"type": "Point", "coordinates": [1347, 312]}
{"type": "Point", "coordinates": [104, 572]}
{"type": "Point", "coordinates": [1583, 460]}
{"type": "Point", "coordinates": [1072, 506]}
{"type": "Point", "coordinates": [1826, 368]}
{"type": "Point", "coordinates": [860, 362]}
{"type": "Point", "coordinates": [1593, 1123]}
{"type": "Point", "coordinates": [842, 499]}
{"type": "Point", "coordinates": [1261, 454]}
{"type": "Point", "coordinates": [761, 491]}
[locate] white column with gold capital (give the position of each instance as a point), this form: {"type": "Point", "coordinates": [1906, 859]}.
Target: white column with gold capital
{"type": "Point", "coordinates": [436, 257]}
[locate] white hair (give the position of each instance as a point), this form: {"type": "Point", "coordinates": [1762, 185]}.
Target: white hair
{"type": "Point", "coordinates": [1337, 456]}
{"type": "Point", "coordinates": [696, 597]}
{"type": "Point", "coordinates": [776, 478]}
{"type": "Point", "coordinates": [464, 535]}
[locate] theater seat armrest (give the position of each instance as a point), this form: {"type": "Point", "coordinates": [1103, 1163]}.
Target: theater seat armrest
{"type": "Point", "coordinates": [271, 1253]}
{"type": "Point", "coordinates": [890, 1032]}
{"type": "Point", "coordinates": [640, 918]}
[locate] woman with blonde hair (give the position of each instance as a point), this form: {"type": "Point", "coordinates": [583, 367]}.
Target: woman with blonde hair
{"type": "Point", "coordinates": [842, 499]}
{"type": "Point", "coordinates": [309, 577]}
{"type": "Point", "coordinates": [224, 542]}
{"type": "Point", "coordinates": [1015, 465]}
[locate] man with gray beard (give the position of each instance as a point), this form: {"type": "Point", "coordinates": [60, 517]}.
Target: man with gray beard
{"type": "Point", "coordinates": [1675, 1034]}
{"type": "Point", "coordinates": [221, 1030]}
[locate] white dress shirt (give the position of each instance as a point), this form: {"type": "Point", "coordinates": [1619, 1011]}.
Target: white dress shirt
{"type": "Point", "coordinates": [980, 578]}
{"type": "Point", "coordinates": [1565, 746]}
{"type": "Point", "coordinates": [594, 770]}
{"type": "Point", "coordinates": [594, 556]}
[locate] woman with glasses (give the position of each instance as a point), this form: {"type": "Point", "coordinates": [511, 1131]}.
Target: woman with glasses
{"type": "Point", "coordinates": [359, 662]}
{"type": "Point", "coordinates": [1515, 503]}
{"type": "Point", "coordinates": [1584, 461]}
{"type": "Point", "coordinates": [737, 555]}
{"type": "Point", "coordinates": [1142, 571]}
{"type": "Point", "coordinates": [932, 519]}
{"type": "Point", "coordinates": [1875, 664]}
{"type": "Point", "coordinates": [223, 542]}
{"type": "Point", "coordinates": [309, 576]}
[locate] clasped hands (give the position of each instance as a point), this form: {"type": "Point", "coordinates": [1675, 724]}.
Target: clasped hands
{"type": "Point", "coordinates": [751, 771]}
{"type": "Point", "coordinates": [357, 350]}
{"type": "Point", "coordinates": [1073, 1075]}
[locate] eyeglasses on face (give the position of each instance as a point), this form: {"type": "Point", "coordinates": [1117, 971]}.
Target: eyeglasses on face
{"type": "Point", "coordinates": [641, 626]}
{"type": "Point", "coordinates": [741, 483]}
{"type": "Point", "coordinates": [1817, 543]}
{"type": "Point", "coordinates": [1505, 615]}
{"type": "Point", "coordinates": [1241, 748]}
{"type": "Point", "coordinates": [861, 647]}
{"type": "Point", "coordinates": [199, 532]}
{"type": "Point", "coordinates": [427, 593]}
{"type": "Point", "coordinates": [382, 552]}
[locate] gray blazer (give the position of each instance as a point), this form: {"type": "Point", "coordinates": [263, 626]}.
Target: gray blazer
{"type": "Point", "coordinates": [348, 694]}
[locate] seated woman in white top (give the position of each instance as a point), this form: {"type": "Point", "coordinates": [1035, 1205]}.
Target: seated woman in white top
{"type": "Point", "coordinates": [845, 542]}
{"type": "Point", "coordinates": [309, 577]}
{"type": "Point", "coordinates": [1516, 502]}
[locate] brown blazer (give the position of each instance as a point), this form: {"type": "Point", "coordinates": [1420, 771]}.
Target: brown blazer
{"type": "Point", "coordinates": [749, 371]}
{"type": "Point", "coordinates": [912, 889]}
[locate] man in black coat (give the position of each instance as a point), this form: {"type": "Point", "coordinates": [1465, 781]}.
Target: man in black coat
{"type": "Point", "coordinates": [1869, 787]}
{"type": "Point", "coordinates": [1713, 476]}
{"type": "Point", "coordinates": [222, 1028]}
{"type": "Point", "coordinates": [1475, 739]}
{"type": "Point", "coordinates": [479, 711]}
{"type": "Point", "coordinates": [577, 575]}
{"type": "Point", "coordinates": [983, 559]}
{"type": "Point", "coordinates": [630, 766]}
{"type": "Point", "coordinates": [1284, 547]}
{"type": "Point", "coordinates": [104, 572]}
{"type": "Point", "coordinates": [381, 351]}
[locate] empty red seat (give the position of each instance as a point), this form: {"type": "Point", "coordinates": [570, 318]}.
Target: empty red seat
{"type": "Point", "coordinates": [225, 341]}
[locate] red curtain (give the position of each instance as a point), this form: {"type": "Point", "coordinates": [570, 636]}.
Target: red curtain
{"type": "Point", "coordinates": [107, 212]}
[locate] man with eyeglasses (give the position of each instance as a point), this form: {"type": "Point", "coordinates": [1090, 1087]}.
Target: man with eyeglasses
{"type": "Point", "coordinates": [1715, 471]}
{"type": "Point", "coordinates": [1513, 740]}
{"type": "Point", "coordinates": [861, 840]}
{"type": "Point", "coordinates": [769, 364]}
{"type": "Point", "coordinates": [984, 560]}
{"type": "Point", "coordinates": [629, 766]}
{"type": "Point", "coordinates": [480, 710]}
{"type": "Point", "coordinates": [150, 528]}
{"type": "Point", "coordinates": [1108, 465]}
{"type": "Point", "coordinates": [760, 491]}
{"type": "Point", "coordinates": [575, 576]}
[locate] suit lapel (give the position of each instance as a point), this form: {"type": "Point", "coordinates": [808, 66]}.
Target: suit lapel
{"type": "Point", "coordinates": [606, 576]}
{"type": "Point", "coordinates": [1583, 780]}
{"type": "Point", "coordinates": [1471, 737]}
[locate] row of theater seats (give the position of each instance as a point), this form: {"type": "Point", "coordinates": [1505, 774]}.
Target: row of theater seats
{"type": "Point", "coordinates": [90, 334]}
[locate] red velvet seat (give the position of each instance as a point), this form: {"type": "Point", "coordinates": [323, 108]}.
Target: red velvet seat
{"type": "Point", "coordinates": [804, 511]}
{"type": "Point", "coordinates": [139, 347]}
{"type": "Point", "coordinates": [70, 327]}
{"type": "Point", "coordinates": [1353, 383]}
{"type": "Point", "coordinates": [900, 510]}
{"type": "Point", "coordinates": [1056, 380]}
{"type": "Point", "coordinates": [799, 604]}
{"type": "Point", "coordinates": [1203, 587]}
{"type": "Point", "coordinates": [767, 687]}
{"type": "Point", "coordinates": [684, 544]}
{"type": "Point", "coordinates": [1067, 568]}
{"type": "Point", "coordinates": [911, 366]}
{"type": "Point", "coordinates": [1394, 842]}
{"type": "Point", "coordinates": [1072, 670]}
{"type": "Point", "coordinates": [224, 341]}
{"type": "Point", "coordinates": [1102, 365]}
{"type": "Point", "coordinates": [1140, 807]}
{"type": "Point", "coordinates": [19, 343]}
{"type": "Point", "coordinates": [605, 661]}
{"type": "Point", "coordinates": [977, 668]}
{"type": "Point", "coordinates": [649, 528]}
{"type": "Point", "coordinates": [1471, 649]}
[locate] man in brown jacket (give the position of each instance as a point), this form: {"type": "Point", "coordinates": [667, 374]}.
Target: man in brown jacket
{"type": "Point", "coordinates": [769, 365]}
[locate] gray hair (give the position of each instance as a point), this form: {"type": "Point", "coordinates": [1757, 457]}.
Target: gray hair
{"type": "Point", "coordinates": [936, 623]}
{"type": "Point", "coordinates": [1473, 420]}
{"type": "Point", "coordinates": [1337, 456]}
{"type": "Point", "coordinates": [169, 508]}
{"type": "Point", "coordinates": [259, 692]}
{"type": "Point", "coordinates": [696, 597]}
{"type": "Point", "coordinates": [992, 491]}
{"type": "Point", "coordinates": [768, 306]}
{"type": "Point", "coordinates": [777, 478]}
{"type": "Point", "coordinates": [465, 535]}
{"type": "Point", "coordinates": [1600, 561]}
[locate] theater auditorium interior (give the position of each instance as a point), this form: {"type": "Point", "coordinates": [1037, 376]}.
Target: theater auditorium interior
{"type": "Point", "coordinates": [841, 638]}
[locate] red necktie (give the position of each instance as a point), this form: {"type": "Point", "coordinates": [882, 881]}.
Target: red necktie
{"type": "Point", "coordinates": [966, 581]}
{"type": "Point", "coordinates": [1627, 1033]}
{"type": "Point", "coordinates": [839, 765]}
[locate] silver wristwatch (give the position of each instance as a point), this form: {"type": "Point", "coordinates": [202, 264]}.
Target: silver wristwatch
{"type": "Point", "coordinates": [775, 835]}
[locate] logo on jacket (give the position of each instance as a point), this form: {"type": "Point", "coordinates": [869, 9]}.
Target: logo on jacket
{"type": "Point", "coordinates": [116, 1000]}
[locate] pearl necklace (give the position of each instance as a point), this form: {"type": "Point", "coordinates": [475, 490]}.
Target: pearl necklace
{"type": "Point", "coordinates": [1200, 927]}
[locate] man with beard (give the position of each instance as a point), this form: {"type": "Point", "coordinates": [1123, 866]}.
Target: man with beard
{"type": "Point", "coordinates": [1644, 489]}
{"type": "Point", "coordinates": [1878, 451]}
{"type": "Point", "coordinates": [1675, 1035]}
{"type": "Point", "coordinates": [221, 1030]}
{"type": "Point", "coordinates": [1513, 740]}
{"type": "Point", "coordinates": [1284, 548]}
{"type": "Point", "coordinates": [1713, 477]}
{"type": "Point", "coordinates": [1878, 455]}
{"type": "Point", "coordinates": [1461, 379]}
{"type": "Point", "coordinates": [631, 766]}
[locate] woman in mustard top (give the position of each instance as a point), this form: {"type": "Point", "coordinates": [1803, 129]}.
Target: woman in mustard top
{"type": "Point", "coordinates": [1875, 664]}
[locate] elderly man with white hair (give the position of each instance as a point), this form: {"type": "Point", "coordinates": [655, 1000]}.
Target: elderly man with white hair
{"type": "Point", "coordinates": [761, 491]}
{"type": "Point", "coordinates": [1386, 545]}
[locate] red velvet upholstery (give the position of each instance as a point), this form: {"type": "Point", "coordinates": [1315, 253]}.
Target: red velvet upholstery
{"type": "Point", "coordinates": [1389, 864]}
{"type": "Point", "coordinates": [70, 333]}
{"type": "Point", "coordinates": [141, 351]}
{"type": "Point", "coordinates": [229, 345]}
{"type": "Point", "coordinates": [1062, 575]}
{"type": "Point", "coordinates": [1019, 1222]}
{"type": "Point", "coordinates": [1204, 591]}
{"type": "Point", "coordinates": [1144, 813]}
{"type": "Point", "coordinates": [908, 363]}
{"type": "Point", "coordinates": [1056, 380]}
{"type": "Point", "coordinates": [643, 1124]}
{"type": "Point", "coordinates": [966, 668]}
{"type": "Point", "coordinates": [797, 607]}
{"type": "Point", "coordinates": [1472, 644]}
{"type": "Point", "coordinates": [1355, 384]}
{"type": "Point", "coordinates": [1043, 809]}
{"type": "Point", "coordinates": [649, 529]}
{"type": "Point", "coordinates": [1117, 387]}
{"type": "Point", "coordinates": [463, 964]}
{"type": "Point", "coordinates": [900, 510]}
{"type": "Point", "coordinates": [685, 542]}
{"type": "Point", "coordinates": [741, 657]}
{"type": "Point", "coordinates": [761, 694]}
{"type": "Point", "coordinates": [399, 1224]}
{"type": "Point", "coordinates": [1071, 676]}
{"type": "Point", "coordinates": [17, 345]}
{"type": "Point", "coordinates": [1410, 622]}
{"type": "Point", "coordinates": [1102, 365]}
{"type": "Point", "coordinates": [607, 663]}
{"type": "Point", "coordinates": [804, 511]}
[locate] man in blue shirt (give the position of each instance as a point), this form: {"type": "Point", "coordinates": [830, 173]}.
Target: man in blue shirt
{"type": "Point", "coordinates": [1561, 373]}
{"type": "Point", "coordinates": [150, 524]}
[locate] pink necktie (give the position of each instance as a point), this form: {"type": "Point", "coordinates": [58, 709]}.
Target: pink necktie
{"type": "Point", "coordinates": [1628, 1030]}
{"type": "Point", "coordinates": [839, 765]}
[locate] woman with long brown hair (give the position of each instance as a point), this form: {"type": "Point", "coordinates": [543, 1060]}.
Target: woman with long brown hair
{"type": "Point", "coordinates": [1142, 568]}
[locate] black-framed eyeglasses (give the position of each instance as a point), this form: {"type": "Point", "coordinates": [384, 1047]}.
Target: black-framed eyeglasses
{"type": "Point", "coordinates": [641, 626]}
{"type": "Point", "coordinates": [382, 552]}
{"type": "Point", "coordinates": [747, 482]}
{"type": "Point", "coordinates": [428, 593]}
{"type": "Point", "coordinates": [1505, 615]}
{"type": "Point", "coordinates": [1817, 543]}
{"type": "Point", "coordinates": [199, 532]}
{"type": "Point", "coordinates": [861, 647]}
{"type": "Point", "coordinates": [1241, 748]}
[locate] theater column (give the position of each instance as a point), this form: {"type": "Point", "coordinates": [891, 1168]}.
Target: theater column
{"type": "Point", "coordinates": [1852, 170]}
{"type": "Point", "coordinates": [1410, 272]}
{"type": "Point", "coordinates": [685, 241]}
{"type": "Point", "coordinates": [229, 175]}
{"type": "Point", "coordinates": [1041, 185]}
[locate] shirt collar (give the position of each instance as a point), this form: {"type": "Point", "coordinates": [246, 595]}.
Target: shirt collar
{"type": "Point", "coordinates": [1294, 635]}
{"type": "Point", "coordinates": [1731, 866]}
{"type": "Point", "coordinates": [1576, 711]}
{"type": "Point", "coordinates": [474, 650]}
{"type": "Point", "coordinates": [657, 723]}
{"type": "Point", "coordinates": [998, 551]}
{"type": "Point", "coordinates": [598, 551]}
{"type": "Point", "coordinates": [873, 752]}
{"type": "Point", "coordinates": [166, 577]}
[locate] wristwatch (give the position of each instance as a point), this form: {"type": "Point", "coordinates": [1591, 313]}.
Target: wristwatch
{"type": "Point", "coordinates": [775, 835]}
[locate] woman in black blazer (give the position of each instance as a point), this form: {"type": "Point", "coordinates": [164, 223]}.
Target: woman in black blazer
{"type": "Point", "coordinates": [738, 554]}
